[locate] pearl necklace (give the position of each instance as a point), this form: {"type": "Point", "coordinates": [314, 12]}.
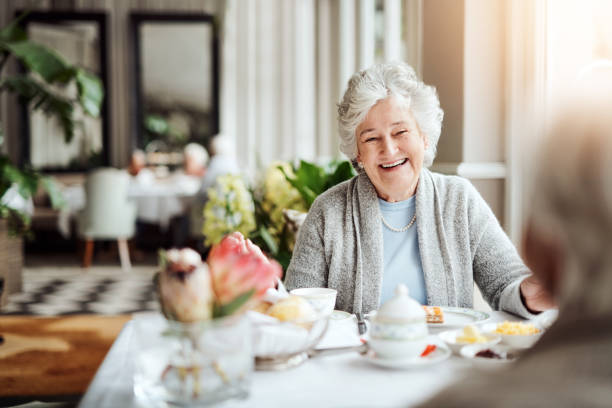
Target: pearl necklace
{"type": "Point", "coordinates": [404, 229]}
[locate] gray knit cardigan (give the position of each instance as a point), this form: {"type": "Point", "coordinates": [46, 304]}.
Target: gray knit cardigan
{"type": "Point", "coordinates": [340, 246]}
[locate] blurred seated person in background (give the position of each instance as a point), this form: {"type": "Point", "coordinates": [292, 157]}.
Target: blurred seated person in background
{"type": "Point", "coordinates": [138, 161]}
{"type": "Point", "coordinates": [222, 161]}
{"type": "Point", "coordinates": [195, 157]}
{"type": "Point", "coordinates": [567, 245]}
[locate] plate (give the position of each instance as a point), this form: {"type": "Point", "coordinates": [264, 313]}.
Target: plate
{"type": "Point", "coordinates": [440, 354]}
{"type": "Point", "coordinates": [469, 353]}
{"type": "Point", "coordinates": [454, 317]}
{"type": "Point", "coordinates": [457, 317]}
{"type": "Point", "coordinates": [450, 338]}
{"type": "Point", "coordinates": [340, 315]}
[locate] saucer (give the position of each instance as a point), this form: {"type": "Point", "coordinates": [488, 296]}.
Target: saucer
{"type": "Point", "coordinates": [440, 354]}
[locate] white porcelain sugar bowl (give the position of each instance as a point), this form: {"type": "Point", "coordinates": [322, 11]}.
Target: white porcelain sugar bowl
{"type": "Point", "coordinates": [399, 328]}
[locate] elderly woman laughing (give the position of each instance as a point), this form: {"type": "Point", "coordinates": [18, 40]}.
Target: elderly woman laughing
{"type": "Point", "coordinates": [396, 221]}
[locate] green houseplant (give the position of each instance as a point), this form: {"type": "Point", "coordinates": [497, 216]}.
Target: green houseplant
{"type": "Point", "coordinates": [40, 89]}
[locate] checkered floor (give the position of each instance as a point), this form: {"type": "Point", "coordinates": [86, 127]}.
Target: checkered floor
{"type": "Point", "coordinates": [72, 290]}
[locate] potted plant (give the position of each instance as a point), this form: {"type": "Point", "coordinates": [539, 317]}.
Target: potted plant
{"type": "Point", "coordinates": [41, 91]}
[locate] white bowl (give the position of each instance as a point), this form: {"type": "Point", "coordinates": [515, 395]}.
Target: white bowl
{"type": "Point", "coordinates": [322, 299]}
{"type": "Point", "coordinates": [469, 352]}
{"type": "Point", "coordinates": [517, 341]}
{"type": "Point", "coordinates": [450, 338]}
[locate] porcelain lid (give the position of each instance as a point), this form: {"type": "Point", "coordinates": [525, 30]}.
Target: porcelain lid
{"type": "Point", "coordinates": [401, 307]}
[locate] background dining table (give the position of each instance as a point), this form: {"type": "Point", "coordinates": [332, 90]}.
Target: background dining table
{"type": "Point", "coordinates": [157, 200]}
{"type": "Point", "coordinates": [347, 379]}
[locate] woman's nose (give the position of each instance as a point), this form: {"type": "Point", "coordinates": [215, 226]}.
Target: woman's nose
{"type": "Point", "coordinates": [388, 145]}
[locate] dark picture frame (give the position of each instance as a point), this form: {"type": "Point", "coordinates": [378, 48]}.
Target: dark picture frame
{"type": "Point", "coordinates": [212, 50]}
{"type": "Point", "coordinates": [100, 19]}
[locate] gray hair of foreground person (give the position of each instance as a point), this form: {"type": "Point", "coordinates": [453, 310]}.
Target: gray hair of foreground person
{"type": "Point", "coordinates": [571, 206]}
{"type": "Point", "coordinates": [367, 87]}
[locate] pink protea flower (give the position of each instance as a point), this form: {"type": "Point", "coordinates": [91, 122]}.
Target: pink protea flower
{"type": "Point", "coordinates": [240, 272]}
{"type": "Point", "coordinates": [184, 286]}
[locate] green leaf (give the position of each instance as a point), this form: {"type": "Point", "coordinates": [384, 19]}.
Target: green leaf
{"type": "Point", "coordinates": [91, 92]}
{"type": "Point", "coordinates": [12, 32]}
{"type": "Point", "coordinates": [283, 258]}
{"type": "Point", "coordinates": [26, 180]}
{"type": "Point", "coordinates": [343, 171]}
{"type": "Point", "coordinates": [156, 124]}
{"type": "Point", "coordinates": [311, 176]}
{"type": "Point", "coordinates": [42, 60]}
{"type": "Point", "coordinates": [267, 238]}
{"type": "Point", "coordinates": [55, 194]}
{"type": "Point", "coordinates": [31, 91]}
{"type": "Point", "coordinates": [307, 194]}
{"type": "Point", "coordinates": [233, 306]}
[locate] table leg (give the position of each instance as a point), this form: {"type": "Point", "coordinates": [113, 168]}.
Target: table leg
{"type": "Point", "coordinates": [124, 254]}
{"type": "Point", "coordinates": [89, 247]}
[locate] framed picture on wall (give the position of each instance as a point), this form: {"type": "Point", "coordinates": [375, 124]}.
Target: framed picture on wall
{"type": "Point", "coordinates": [176, 83]}
{"type": "Point", "coordinates": [80, 39]}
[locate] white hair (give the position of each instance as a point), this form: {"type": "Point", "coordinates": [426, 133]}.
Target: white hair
{"type": "Point", "coordinates": [222, 145]}
{"type": "Point", "coordinates": [367, 87]}
{"type": "Point", "coordinates": [197, 152]}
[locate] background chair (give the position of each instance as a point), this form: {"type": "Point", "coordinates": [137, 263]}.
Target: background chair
{"type": "Point", "coordinates": [108, 215]}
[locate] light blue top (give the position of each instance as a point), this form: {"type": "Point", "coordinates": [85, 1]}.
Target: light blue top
{"type": "Point", "coordinates": [401, 256]}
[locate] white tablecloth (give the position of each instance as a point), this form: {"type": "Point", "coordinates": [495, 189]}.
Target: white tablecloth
{"type": "Point", "coordinates": [326, 381]}
{"type": "Point", "coordinates": [157, 201]}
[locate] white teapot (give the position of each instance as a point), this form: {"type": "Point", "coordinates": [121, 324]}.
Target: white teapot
{"type": "Point", "coordinates": [399, 328]}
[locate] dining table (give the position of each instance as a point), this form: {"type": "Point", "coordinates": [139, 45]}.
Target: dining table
{"type": "Point", "coordinates": [157, 199]}
{"type": "Point", "coordinates": [336, 380]}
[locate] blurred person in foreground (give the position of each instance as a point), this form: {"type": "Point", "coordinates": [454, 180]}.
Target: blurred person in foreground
{"type": "Point", "coordinates": [567, 245]}
{"type": "Point", "coordinates": [396, 221]}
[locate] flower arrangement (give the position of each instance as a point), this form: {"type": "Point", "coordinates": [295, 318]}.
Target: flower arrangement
{"type": "Point", "coordinates": [206, 355]}
{"type": "Point", "coordinates": [261, 212]}
{"type": "Point", "coordinates": [229, 208]}
{"type": "Point", "coordinates": [236, 273]}
{"type": "Point", "coordinates": [278, 195]}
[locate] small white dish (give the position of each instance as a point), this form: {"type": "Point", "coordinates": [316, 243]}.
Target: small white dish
{"type": "Point", "coordinates": [517, 341]}
{"type": "Point", "coordinates": [470, 352]}
{"type": "Point", "coordinates": [322, 299]}
{"type": "Point", "coordinates": [450, 338]}
{"type": "Point", "coordinates": [441, 353]}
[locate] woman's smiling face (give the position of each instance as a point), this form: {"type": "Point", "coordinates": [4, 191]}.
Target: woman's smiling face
{"type": "Point", "coordinates": [391, 146]}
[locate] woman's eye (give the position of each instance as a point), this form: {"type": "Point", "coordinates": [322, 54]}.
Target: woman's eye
{"type": "Point", "coordinates": [401, 132]}
{"type": "Point", "coordinates": [370, 139]}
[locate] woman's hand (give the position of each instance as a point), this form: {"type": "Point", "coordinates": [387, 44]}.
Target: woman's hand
{"type": "Point", "coordinates": [535, 297]}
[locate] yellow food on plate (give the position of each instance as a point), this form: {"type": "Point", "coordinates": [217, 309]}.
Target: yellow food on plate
{"type": "Point", "coordinates": [471, 335]}
{"type": "Point", "coordinates": [260, 306]}
{"type": "Point", "coordinates": [516, 328]}
{"type": "Point", "coordinates": [293, 308]}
